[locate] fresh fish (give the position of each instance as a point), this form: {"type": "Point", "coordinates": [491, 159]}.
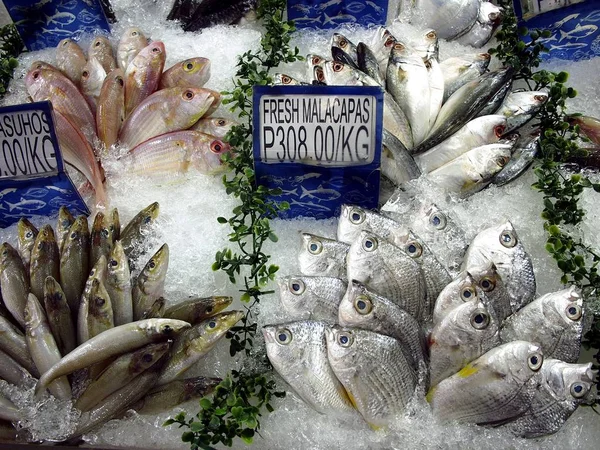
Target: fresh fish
{"type": "Point", "coordinates": [112, 342]}
{"type": "Point", "coordinates": [501, 245]}
{"type": "Point", "coordinates": [473, 170]}
{"type": "Point", "coordinates": [298, 352]}
{"type": "Point", "coordinates": [436, 87]}
{"type": "Point", "coordinates": [63, 225]}
{"type": "Point", "coordinates": [120, 372]}
{"type": "Point", "coordinates": [118, 285]}
{"type": "Point", "coordinates": [481, 32]}
{"type": "Point", "coordinates": [496, 101]}
{"type": "Point", "coordinates": [156, 310]}
{"type": "Point", "coordinates": [526, 150]}
{"type": "Point", "coordinates": [389, 271]}
{"type": "Point", "coordinates": [382, 47]}
{"type": "Point", "coordinates": [314, 298]}
{"type": "Point", "coordinates": [458, 71]}
{"type": "Point", "coordinates": [101, 50]}
{"type": "Point", "coordinates": [100, 239]}
{"type": "Point", "coordinates": [193, 72]}
{"type": "Point", "coordinates": [195, 310]}
{"type": "Point", "coordinates": [491, 289]}
{"type": "Point", "coordinates": [42, 346]}
{"type": "Point", "coordinates": [396, 162]}
{"type": "Point", "coordinates": [45, 84]}
{"type": "Point", "coordinates": [344, 50]}
{"type": "Point", "coordinates": [312, 62]}
{"type": "Point", "coordinates": [396, 123]}
{"type": "Point", "coordinates": [460, 290]}
{"type": "Point", "coordinates": [320, 256]}
{"type": "Point", "coordinates": [14, 344]}
{"type": "Point", "coordinates": [100, 314]}
{"type": "Point", "coordinates": [70, 59]}
{"type": "Point", "coordinates": [74, 262]}
{"type": "Point", "coordinates": [196, 342]}
{"type": "Point", "coordinates": [92, 78]}
{"type": "Point", "coordinates": [176, 152]}
{"type": "Point", "coordinates": [167, 396]}
{"type": "Point", "coordinates": [463, 335]}
{"type": "Point", "coordinates": [408, 82]}
{"type": "Point", "coordinates": [93, 297]}
{"type": "Point", "coordinates": [281, 79]}
{"type": "Point", "coordinates": [163, 112]}
{"type": "Point", "coordinates": [150, 284]}
{"type": "Point", "coordinates": [216, 126]}
{"type": "Point", "coordinates": [228, 15]}
{"type": "Point", "coordinates": [45, 260]}
{"type": "Point", "coordinates": [142, 75]}
{"type": "Point", "coordinates": [59, 316]}
{"type": "Point", "coordinates": [44, 65]}
{"type": "Point", "coordinates": [368, 63]}
{"type": "Point", "coordinates": [450, 18]}
{"type": "Point", "coordinates": [464, 105]}
{"type": "Point", "coordinates": [8, 410]}
{"type": "Point", "coordinates": [435, 274]}
{"type": "Point", "coordinates": [562, 388]}
{"type": "Point", "coordinates": [340, 74]}
{"type": "Point", "coordinates": [114, 225]}
{"type": "Point", "coordinates": [354, 219]}
{"type": "Point", "coordinates": [554, 321]}
{"type": "Point", "coordinates": [133, 235]}
{"type": "Point", "coordinates": [520, 107]}
{"type": "Point", "coordinates": [78, 153]}
{"type": "Point", "coordinates": [363, 308]}
{"type": "Point", "coordinates": [480, 131]}
{"type": "Point", "coordinates": [497, 386]}
{"type": "Point", "coordinates": [110, 112]}
{"type": "Point", "coordinates": [374, 371]}
{"type": "Point", "coordinates": [119, 401]}
{"type": "Point", "coordinates": [589, 126]}
{"type": "Point", "coordinates": [132, 42]}
{"type": "Point", "coordinates": [27, 233]}
{"type": "Point", "coordinates": [12, 371]}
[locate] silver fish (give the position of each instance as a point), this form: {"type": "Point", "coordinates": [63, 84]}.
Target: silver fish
{"type": "Point", "coordinates": [497, 386]}
{"type": "Point", "coordinates": [354, 219]}
{"type": "Point", "coordinates": [13, 342]}
{"type": "Point", "coordinates": [460, 70]}
{"type": "Point", "coordinates": [344, 50]}
{"type": "Point", "coordinates": [12, 371]}
{"type": "Point", "coordinates": [382, 46]}
{"type": "Point", "coordinates": [492, 289]}
{"type": "Point", "coordinates": [320, 256]}
{"type": "Point", "coordinates": [388, 270]}
{"type": "Point", "coordinates": [460, 290]}
{"type": "Point", "coordinates": [14, 282]}
{"type": "Point", "coordinates": [281, 79]}
{"type": "Point", "coordinates": [483, 28]}
{"type": "Point", "coordinates": [554, 321]}
{"type": "Point", "coordinates": [526, 150]}
{"type": "Point", "coordinates": [367, 62]}
{"type": "Point", "coordinates": [298, 352]}
{"type": "Point", "coordinates": [363, 308]}
{"type": "Point", "coordinates": [315, 298]}
{"type": "Point", "coordinates": [396, 162]}
{"type": "Point", "coordinates": [118, 285]}
{"type": "Point", "coordinates": [374, 371]}
{"type": "Point", "coordinates": [501, 245]}
{"type": "Point", "coordinates": [450, 18]}
{"type": "Point", "coordinates": [464, 334]}
{"type": "Point", "coordinates": [520, 107]}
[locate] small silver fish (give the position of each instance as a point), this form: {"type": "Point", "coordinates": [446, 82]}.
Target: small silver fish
{"type": "Point", "coordinates": [316, 298]}
{"type": "Point", "coordinates": [320, 256]}
{"type": "Point", "coordinates": [354, 219]}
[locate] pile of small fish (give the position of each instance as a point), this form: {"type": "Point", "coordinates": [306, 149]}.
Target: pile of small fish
{"type": "Point", "coordinates": [398, 307]}
{"type": "Point", "coordinates": [162, 118]}
{"type": "Point", "coordinates": [71, 307]}
{"type": "Point", "coordinates": [469, 22]}
{"type": "Point", "coordinates": [448, 120]}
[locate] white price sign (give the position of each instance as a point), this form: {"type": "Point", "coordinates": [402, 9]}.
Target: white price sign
{"type": "Point", "coordinates": [328, 130]}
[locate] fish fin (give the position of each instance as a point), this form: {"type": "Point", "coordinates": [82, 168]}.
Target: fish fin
{"type": "Point", "coordinates": [351, 398]}
{"type": "Point", "coordinates": [467, 371]}
{"type": "Point", "coordinates": [430, 394]}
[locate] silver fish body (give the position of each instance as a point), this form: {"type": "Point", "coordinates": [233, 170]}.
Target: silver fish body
{"type": "Point", "coordinates": [14, 282]}
{"type": "Point", "coordinates": [315, 298]}
{"type": "Point", "coordinates": [492, 289]}
{"type": "Point", "coordinates": [298, 352]}
{"type": "Point", "coordinates": [320, 256]}
{"type": "Point", "coordinates": [450, 18]}
{"type": "Point", "coordinates": [520, 107]}
{"type": "Point", "coordinates": [554, 321]}
{"type": "Point", "coordinates": [460, 70]}
{"type": "Point", "coordinates": [45, 260]}
{"type": "Point", "coordinates": [354, 219]}
{"type": "Point", "coordinates": [118, 285]}
{"type": "Point", "coordinates": [197, 309]}
{"type": "Point", "coordinates": [150, 284]}
{"type": "Point", "coordinates": [368, 63]}
{"type": "Point", "coordinates": [374, 371]}
{"type": "Point", "coordinates": [74, 262]}
{"type": "Point", "coordinates": [396, 162]}
{"type": "Point", "coordinates": [12, 371]}
{"type": "Point", "coordinates": [59, 316]}
{"type": "Point", "coordinates": [27, 233]}
{"type": "Point", "coordinates": [460, 290]}
{"type": "Point", "coordinates": [524, 155]}
{"type": "Point", "coordinates": [483, 28]}
{"type": "Point", "coordinates": [133, 234]}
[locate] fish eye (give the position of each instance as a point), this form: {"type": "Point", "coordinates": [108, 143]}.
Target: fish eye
{"type": "Point", "coordinates": [147, 219]}
{"type": "Point", "coordinates": [540, 98]}
{"type": "Point", "coordinates": [100, 301]}
{"type": "Point", "coordinates": [369, 244]}
{"type": "Point", "coordinates": [29, 235]}
{"type": "Point", "coordinates": [283, 336]}
{"type": "Point", "coordinates": [221, 122]}
{"type": "Point", "coordinates": [535, 361]}
{"type": "Point", "coordinates": [212, 324]}
{"type": "Point", "coordinates": [167, 329]}
{"type": "Point", "coordinates": [428, 64]}
{"type": "Point", "coordinates": [35, 75]}
{"type": "Point", "coordinates": [363, 304]}
{"type": "Point", "coordinates": [85, 74]}
{"type": "Point", "coordinates": [357, 216]}
{"type": "Point", "coordinates": [209, 309]}
{"type": "Point", "coordinates": [345, 339]}
{"type": "Point", "coordinates": [508, 239]}
{"type": "Point", "coordinates": [487, 284]}
{"type": "Point", "coordinates": [73, 235]}
{"type": "Point", "coordinates": [320, 74]}
{"type": "Point", "coordinates": [574, 312]}
{"type": "Point", "coordinates": [337, 67]}
{"type": "Point", "coordinates": [155, 50]}
{"type": "Point", "coordinates": [296, 286]}
{"type": "Point", "coordinates": [414, 249]}
{"type": "Point", "coordinates": [189, 66]}
{"type": "Point", "coordinates": [438, 221]}
{"type": "Point", "coordinates": [316, 60]}
{"type": "Point", "coordinates": [134, 33]}
{"type": "Point", "coordinates": [188, 94]}
{"type": "Point", "coordinates": [468, 293]}
{"type": "Point", "coordinates": [431, 35]}
{"type": "Point", "coordinates": [480, 320]}
{"type": "Point", "coordinates": [119, 80]}
{"type": "Point", "coordinates": [286, 80]}
{"type": "Point", "coordinates": [216, 147]}
{"type": "Point", "coordinates": [151, 264]}
{"type": "Point", "coordinates": [114, 263]}
{"type": "Point", "coordinates": [39, 246]}
{"type": "Point", "coordinates": [97, 44]}
{"type": "Point", "coordinates": [578, 390]}
{"type": "Point", "coordinates": [343, 43]}
{"type": "Point", "coordinates": [315, 247]}
{"type": "Point", "coordinates": [147, 357]}
{"type": "Point", "coordinates": [398, 46]}
{"type": "Point", "coordinates": [499, 130]}
{"type": "Point", "coordinates": [104, 232]}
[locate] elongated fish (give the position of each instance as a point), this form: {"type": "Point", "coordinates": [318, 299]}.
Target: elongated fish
{"type": "Point", "coordinates": [59, 316]}
{"type": "Point", "coordinates": [45, 260]}
{"type": "Point", "coordinates": [14, 282]}
{"type": "Point", "coordinates": [195, 310]}
{"type": "Point", "coordinates": [110, 112]}
{"type": "Point", "coordinates": [193, 72]}
{"type": "Point", "coordinates": [74, 262]}
{"type": "Point", "coordinates": [150, 284]}
{"type": "Point", "coordinates": [118, 285]}
{"type": "Point", "coordinates": [142, 75]}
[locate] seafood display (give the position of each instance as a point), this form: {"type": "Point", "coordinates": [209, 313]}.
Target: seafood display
{"type": "Point", "coordinates": [92, 332]}
{"type": "Point", "coordinates": [477, 343]}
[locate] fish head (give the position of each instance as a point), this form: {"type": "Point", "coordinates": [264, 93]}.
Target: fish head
{"type": "Point", "coordinates": [149, 214]}
{"type": "Point", "coordinates": [146, 357]}
{"type": "Point", "coordinates": [289, 343]}
{"type": "Point", "coordinates": [34, 314]}
{"type": "Point", "coordinates": [199, 386]}
{"type": "Point", "coordinates": [283, 79]}
{"type": "Point", "coordinates": [206, 333]}
{"type": "Point", "coordinates": [35, 81]}
{"type": "Point", "coordinates": [357, 307]}
{"type": "Point", "coordinates": [568, 382]}
{"type": "Point", "coordinates": [314, 60]}
{"type": "Point", "coordinates": [78, 231]}
{"type": "Point", "coordinates": [92, 76]}
{"type": "Point", "coordinates": [27, 231]}
{"type": "Point", "coordinates": [485, 276]}
{"type": "Point", "coordinates": [100, 45]}
{"type": "Point", "coordinates": [152, 56]}
{"type": "Point", "coordinates": [207, 155]}
{"type": "Point", "coordinates": [65, 218]}
{"type": "Point", "coordinates": [342, 352]}
{"type": "Point", "coordinates": [564, 309]}
{"type": "Point", "coordinates": [365, 254]}
{"type": "Point", "coordinates": [338, 73]}
{"type": "Point", "coordinates": [117, 78]}
{"type": "Point", "coordinates": [343, 43]}
{"type": "Point", "coordinates": [317, 253]}
{"type": "Point", "coordinates": [156, 267]}
{"type": "Point", "coordinates": [293, 292]}
{"type": "Point", "coordinates": [45, 239]}
{"type": "Point", "coordinates": [36, 65]}
{"type": "Point", "coordinates": [461, 289]}
{"type": "Point", "coordinates": [53, 294]}
{"type": "Point", "coordinates": [8, 255]}
{"type": "Point", "coordinates": [99, 302]}
{"type": "Point", "coordinates": [220, 125]}
{"type": "Point", "coordinates": [352, 221]}
{"type": "Point", "coordinates": [318, 75]}
{"type": "Point", "coordinates": [482, 61]}
{"type": "Point", "coordinates": [210, 306]}
{"type": "Point", "coordinates": [519, 360]}
{"type": "Point", "coordinates": [470, 323]}
{"type": "Point", "coordinates": [198, 68]}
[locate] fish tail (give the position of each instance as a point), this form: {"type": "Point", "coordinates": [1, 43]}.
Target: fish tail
{"type": "Point", "coordinates": [11, 206]}
{"type": "Point", "coordinates": [304, 192]}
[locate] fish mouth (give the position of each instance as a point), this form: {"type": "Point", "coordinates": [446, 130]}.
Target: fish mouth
{"type": "Point", "coordinates": [268, 332]}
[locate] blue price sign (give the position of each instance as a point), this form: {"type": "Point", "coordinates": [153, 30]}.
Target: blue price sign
{"type": "Point", "coordinates": [320, 144]}
{"type": "Point", "coordinates": [333, 13]}
{"type": "Point", "coordinates": [32, 176]}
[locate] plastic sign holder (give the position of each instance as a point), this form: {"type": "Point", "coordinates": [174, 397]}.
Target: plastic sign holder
{"type": "Point", "coordinates": [44, 23]}
{"type": "Point", "coordinates": [320, 144]}
{"type": "Point", "coordinates": [333, 13]}
{"type": "Point", "coordinates": [32, 176]}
